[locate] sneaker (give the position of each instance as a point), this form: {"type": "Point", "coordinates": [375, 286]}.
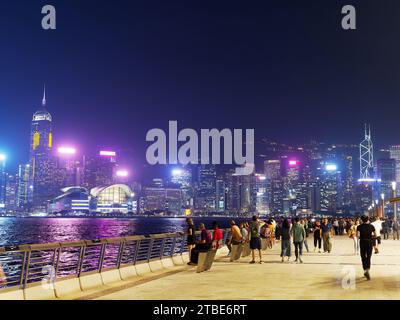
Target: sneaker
{"type": "Point", "coordinates": [296, 260]}
{"type": "Point", "coordinates": [252, 262]}
{"type": "Point", "coordinates": [301, 261]}
{"type": "Point", "coordinates": [261, 262]}
{"type": "Point", "coordinates": [283, 260]}
{"type": "Point", "coordinates": [319, 251]}
{"type": "Point", "coordinates": [366, 274]}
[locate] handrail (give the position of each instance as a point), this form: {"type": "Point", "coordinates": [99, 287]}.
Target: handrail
{"type": "Point", "coordinates": [31, 263]}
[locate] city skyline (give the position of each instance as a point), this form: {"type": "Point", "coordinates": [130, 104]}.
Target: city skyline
{"type": "Point", "coordinates": [241, 73]}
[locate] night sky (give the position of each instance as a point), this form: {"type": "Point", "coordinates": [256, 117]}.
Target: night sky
{"type": "Point", "coordinates": [116, 69]}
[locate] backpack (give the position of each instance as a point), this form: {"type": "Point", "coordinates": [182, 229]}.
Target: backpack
{"type": "Point", "coordinates": [254, 230]}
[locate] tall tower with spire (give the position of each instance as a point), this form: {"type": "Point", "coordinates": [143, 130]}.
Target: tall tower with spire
{"type": "Point", "coordinates": [40, 160]}
{"type": "Point", "coordinates": [366, 156]}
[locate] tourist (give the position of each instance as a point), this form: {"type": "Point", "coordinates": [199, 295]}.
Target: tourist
{"type": "Point", "coordinates": [244, 232]}
{"type": "Point", "coordinates": [217, 236]}
{"type": "Point", "coordinates": [395, 228]}
{"type": "Point", "coordinates": [191, 235]}
{"type": "Point", "coordinates": [377, 223]}
{"type": "Point", "coordinates": [341, 226]}
{"type": "Point", "coordinates": [386, 226]}
{"type": "Point", "coordinates": [366, 234]}
{"type": "Point", "coordinates": [255, 240]}
{"type": "Point", "coordinates": [236, 236]}
{"type": "Point", "coordinates": [278, 231]}
{"type": "Point", "coordinates": [298, 234]}
{"type": "Point", "coordinates": [304, 223]}
{"type": "Point", "coordinates": [271, 233]}
{"type": "Point", "coordinates": [353, 235]}
{"type": "Point", "coordinates": [336, 226]}
{"type": "Point", "coordinates": [201, 246]}
{"type": "Point", "coordinates": [327, 235]}
{"type": "Point", "coordinates": [317, 236]}
{"type": "Point", "coordinates": [285, 243]}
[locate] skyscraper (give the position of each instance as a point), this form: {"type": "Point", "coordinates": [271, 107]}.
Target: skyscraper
{"type": "Point", "coordinates": [41, 161]}
{"type": "Point", "coordinates": [395, 154]}
{"type": "Point", "coordinates": [206, 191]}
{"type": "Point", "coordinates": [2, 182]}
{"type": "Point", "coordinates": [22, 187]}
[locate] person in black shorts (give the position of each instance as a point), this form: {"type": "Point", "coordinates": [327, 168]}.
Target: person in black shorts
{"type": "Point", "coordinates": [255, 240]}
{"type": "Point", "coordinates": [366, 234]}
{"type": "Point", "coordinates": [317, 237]}
{"type": "Point", "coordinates": [191, 235]}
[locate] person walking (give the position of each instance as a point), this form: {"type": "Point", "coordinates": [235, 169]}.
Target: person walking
{"type": "Point", "coordinates": [327, 235]}
{"type": "Point", "coordinates": [377, 223]}
{"type": "Point", "coordinates": [317, 236]}
{"type": "Point", "coordinates": [395, 228]}
{"type": "Point", "coordinates": [298, 234]}
{"type": "Point", "coordinates": [255, 240]}
{"type": "Point", "coordinates": [304, 223]}
{"type": "Point", "coordinates": [336, 226]}
{"type": "Point", "coordinates": [366, 234]}
{"type": "Point", "coordinates": [285, 241]}
{"type": "Point", "coordinates": [353, 235]}
{"type": "Point", "coordinates": [386, 229]}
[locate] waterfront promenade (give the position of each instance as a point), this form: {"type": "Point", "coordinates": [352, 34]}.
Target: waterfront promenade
{"type": "Point", "coordinates": [321, 276]}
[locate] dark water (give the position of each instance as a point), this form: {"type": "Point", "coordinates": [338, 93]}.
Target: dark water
{"type": "Point", "coordinates": [14, 231]}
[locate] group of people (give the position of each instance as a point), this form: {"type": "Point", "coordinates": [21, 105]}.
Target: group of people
{"type": "Point", "coordinates": [364, 232]}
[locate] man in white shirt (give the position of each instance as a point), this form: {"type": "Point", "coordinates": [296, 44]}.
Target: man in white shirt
{"type": "Point", "coordinates": [377, 223]}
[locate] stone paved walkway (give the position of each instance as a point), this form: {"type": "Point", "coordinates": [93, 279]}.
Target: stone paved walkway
{"type": "Point", "coordinates": [337, 275]}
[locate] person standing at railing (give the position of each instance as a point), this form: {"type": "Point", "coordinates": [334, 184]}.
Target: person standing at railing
{"type": "Point", "coordinates": [244, 232]}
{"type": "Point", "coordinates": [217, 236]}
{"type": "Point", "coordinates": [201, 246]}
{"type": "Point", "coordinates": [191, 235]}
{"type": "Point", "coordinates": [236, 236]}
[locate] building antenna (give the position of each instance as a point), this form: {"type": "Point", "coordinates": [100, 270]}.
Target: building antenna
{"type": "Point", "coordinates": [44, 96]}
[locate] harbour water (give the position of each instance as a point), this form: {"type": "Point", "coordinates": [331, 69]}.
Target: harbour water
{"type": "Point", "coordinates": [16, 231]}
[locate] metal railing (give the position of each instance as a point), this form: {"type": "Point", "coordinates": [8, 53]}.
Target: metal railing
{"type": "Point", "coordinates": [25, 264]}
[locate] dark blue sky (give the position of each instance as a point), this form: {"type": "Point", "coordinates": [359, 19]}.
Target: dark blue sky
{"type": "Point", "coordinates": [115, 69]}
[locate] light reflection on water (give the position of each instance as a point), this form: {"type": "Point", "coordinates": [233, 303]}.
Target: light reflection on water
{"type": "Point", "coordinates": [14, 231]}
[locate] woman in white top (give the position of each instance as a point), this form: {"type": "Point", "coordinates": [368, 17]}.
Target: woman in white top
{"type": "Point", "coordinates": [353, 235]}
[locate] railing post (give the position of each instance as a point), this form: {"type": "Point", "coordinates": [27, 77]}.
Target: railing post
{"type": "Point", "coordinates": [173, 246]}
{"type": "Point", "coordinates": [136, 251]}
{"type": "Point", "coordinates": [58, 250]}
{"type": "Point", "coordinates": [102, 254]}
{"type": "Point", "coordinates": [162, 247]}
{"type": "Point", "coordinates": [27, 268]}
{"type": "Point", "coordinates": [150, 249]}
{"type": "Point", "coordinates": [120, 253]}
{"type": "Point", "coordinates": [81, 258]}
{"type": "Point", "coordinates": [182, 244]}
{"type": "Point", "coordinates": [21, 280]}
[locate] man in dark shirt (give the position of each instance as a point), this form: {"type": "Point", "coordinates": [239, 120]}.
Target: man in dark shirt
{"type": "Point", "coordinates": [366, 234]}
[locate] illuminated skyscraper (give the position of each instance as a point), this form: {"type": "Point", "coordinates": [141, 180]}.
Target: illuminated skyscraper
{"type": "Point", "coordinates": [99, 170]}
{"type": "Point", "coordinates": [22, 187]}
{"type": "Point", "coordinates": [395, 154]}
{"type": "Point", "coordinates": [41, 161]}
{"type": "Point", "coordinates": [2, 182]}
{"type": "Point", "coordinates": [366, 156]}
